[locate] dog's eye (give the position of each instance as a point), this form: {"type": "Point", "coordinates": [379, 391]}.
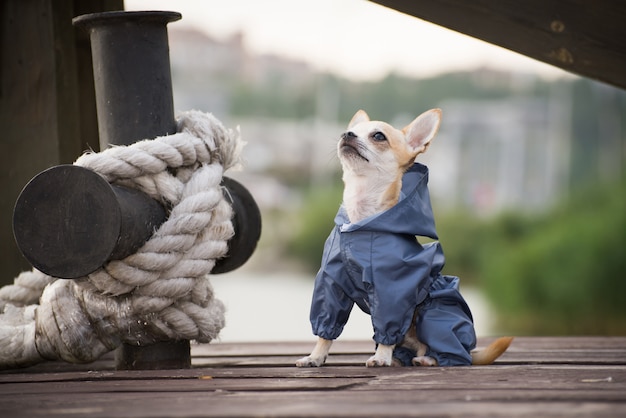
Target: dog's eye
{"type": "Point", "coordinates": [379, 136]}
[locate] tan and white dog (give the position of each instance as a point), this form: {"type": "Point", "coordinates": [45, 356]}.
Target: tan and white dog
{"type": "Point", "coordinates": [374, 157]}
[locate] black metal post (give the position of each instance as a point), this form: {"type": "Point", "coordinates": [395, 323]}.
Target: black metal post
{"type": "Point", "coordinates": [134, 101]}
{"type": "Point", "coordinates": [68, 221]}
{"type": "Point", "coordinates": [132, 75]}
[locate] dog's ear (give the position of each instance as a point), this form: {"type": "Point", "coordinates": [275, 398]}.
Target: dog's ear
{"type": "Point", "coordinates": [359, 116]}
{"type": "Point", "coordinates": [422, 130]}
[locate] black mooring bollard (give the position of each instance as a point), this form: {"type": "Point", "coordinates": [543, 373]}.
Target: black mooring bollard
{"type": "Point", "coordinates": [68, 221]}
{"type": "Point", "coordinates": [134, 101]}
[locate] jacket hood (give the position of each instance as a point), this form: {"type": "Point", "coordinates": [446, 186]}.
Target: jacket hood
{"type": "Point", "coordinates": [412, 215]}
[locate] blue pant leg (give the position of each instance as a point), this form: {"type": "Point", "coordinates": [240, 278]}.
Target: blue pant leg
{"type": "Point", "coordinates": [445, 324]}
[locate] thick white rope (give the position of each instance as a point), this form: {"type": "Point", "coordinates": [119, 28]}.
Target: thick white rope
{"type": "Point", "coordinates": [162, 292]}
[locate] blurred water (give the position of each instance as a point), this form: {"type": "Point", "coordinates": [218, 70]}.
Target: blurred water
{"type": "Point", "coordinates": [275, 307]}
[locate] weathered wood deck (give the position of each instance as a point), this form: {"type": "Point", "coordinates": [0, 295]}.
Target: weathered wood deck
{"type": "Point", "coordinates": [538, 377]}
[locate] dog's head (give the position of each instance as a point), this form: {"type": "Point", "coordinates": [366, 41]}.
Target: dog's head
{"type": "Point", "coordinates": [371, 146]}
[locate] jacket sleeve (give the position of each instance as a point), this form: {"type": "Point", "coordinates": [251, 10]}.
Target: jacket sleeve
{"type": "Point", "coordinates": [331, 306]}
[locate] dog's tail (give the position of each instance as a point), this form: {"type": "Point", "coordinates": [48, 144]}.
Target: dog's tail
{"type": "Point", "coordinates": [490, 353]}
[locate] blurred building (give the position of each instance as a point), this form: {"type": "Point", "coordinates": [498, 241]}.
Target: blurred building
{"type": "Point", "coordinates": [504, 154]}
{"type": "Point", "coordinates": [205, 69]}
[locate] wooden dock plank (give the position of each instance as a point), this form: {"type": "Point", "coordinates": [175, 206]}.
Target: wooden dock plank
{"type": "Point", "coordinates": [493, 378]}
{"type": "Point", "coordinates": [537, 377]}
{"type": "Point", "coordinates": [544, 350]}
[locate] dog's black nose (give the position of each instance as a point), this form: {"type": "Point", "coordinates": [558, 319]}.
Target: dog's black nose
{"type": "Point", "coordinates": [348, 135]}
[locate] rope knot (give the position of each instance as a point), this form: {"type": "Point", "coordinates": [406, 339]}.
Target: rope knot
{"type": "Point", "coordinates": [162, 292]}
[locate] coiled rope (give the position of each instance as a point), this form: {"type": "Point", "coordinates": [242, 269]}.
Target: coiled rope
{"type": "Point", "coordinates": [160, 293]}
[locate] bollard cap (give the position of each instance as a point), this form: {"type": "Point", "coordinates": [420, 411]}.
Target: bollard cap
{"type": "Point", "coordinates": [93, 19]}
{"type": "Point", "coordinates": [247, 224]}
{"type": "Point", "coordinates": [67, 221]}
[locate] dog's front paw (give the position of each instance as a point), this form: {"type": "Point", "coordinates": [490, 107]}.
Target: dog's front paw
{"type": "Point", "coordinates": [425, 361]}
{"type": "Point", "coordinates": [309, 361]}
{"type": "Point", "coordinates": [377, 361]}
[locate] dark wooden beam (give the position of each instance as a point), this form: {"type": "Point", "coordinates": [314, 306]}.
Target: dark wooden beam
{"type": "Point", "coordinates": [584, 37]}
{"type": "Point", "coordinates": [47, 109]}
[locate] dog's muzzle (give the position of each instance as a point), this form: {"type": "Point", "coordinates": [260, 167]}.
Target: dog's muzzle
{"type": "Point", "coordinates": [349, 145]}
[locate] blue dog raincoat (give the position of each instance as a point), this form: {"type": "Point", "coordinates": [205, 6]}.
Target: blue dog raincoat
{"type": "Point", "coordinates": [378, 264]}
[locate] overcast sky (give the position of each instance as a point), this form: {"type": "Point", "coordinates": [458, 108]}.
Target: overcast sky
{"type": "Point", "coordinates": [355, 38]}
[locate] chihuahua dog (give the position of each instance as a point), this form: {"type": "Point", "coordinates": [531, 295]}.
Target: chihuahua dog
{"type": "Point", "coordinates": [407, 298]}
